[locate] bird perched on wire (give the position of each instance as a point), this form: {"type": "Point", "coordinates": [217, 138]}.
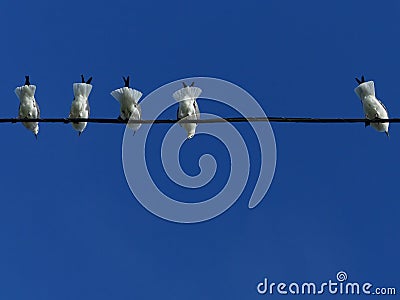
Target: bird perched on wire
{"type": "Point", "coordinates": [188, 108]}
{"type": "Point", "coordinates": [80, 108]}
{"type": "Point", "coordinates": [128, 99]}
{"type": "Point", "coordinates": [28, 107]}
{"type": "Point", "coordinates": [373, 108]}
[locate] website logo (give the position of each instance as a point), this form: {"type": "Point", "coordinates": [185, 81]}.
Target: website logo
{"type": "Point", "coordinates": [339, 286]}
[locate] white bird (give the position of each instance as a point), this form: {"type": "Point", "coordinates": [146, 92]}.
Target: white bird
{"type": "Point", "coordinates": [373, 108]}
{"type": "Point", "coordinates": [188, 108]}
{"type": "Point", "coordinates": [129, 108]}
{"type": "Point", "coordinates": [80, 108]}
{"type": "Point", "coordinates": [28, 107]}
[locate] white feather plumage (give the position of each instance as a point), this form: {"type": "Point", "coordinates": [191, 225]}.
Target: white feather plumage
{"type": "Point", "coordinates": [188, 108]}
{"type": "Point", "coordinates": [373, 108]}
{"type": "Point", "coordinates": [80, 105]}
{"type": "Point", "coordinates": [187, 93]}
{"type": "Point", "coordinates": [129, 107]}
{"type": "Point", "coordinates": [28, 108]}
{"type": "Point", "coordinates": [82, 90]}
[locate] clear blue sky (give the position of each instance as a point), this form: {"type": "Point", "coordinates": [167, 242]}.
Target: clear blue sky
{"type": "Point", "coordinates": [70, 227]}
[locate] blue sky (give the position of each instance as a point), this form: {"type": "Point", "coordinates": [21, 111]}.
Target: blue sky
{"type": "Point", "coordinates": [70, 227]}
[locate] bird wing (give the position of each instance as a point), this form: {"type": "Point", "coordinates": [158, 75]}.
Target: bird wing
{"type": "Point", "coordinates": [178, 114]}
{"type": "Point", "coordinates": [72, 111]}
{"type": "Point", "coordinates": [35, 104]}
{"type": "Point", "coordinates": [196, 109]}
{"type": "Point", "coordinates": [70, 114]}
{"type": "Point", "coordinates": [88, 108]}
{"type": "Point", "coordinates": [383, 105]}
{"type": "Point", "coordinates": [19, 112]}
{"type": "Point", "coordinates": [181, 114]}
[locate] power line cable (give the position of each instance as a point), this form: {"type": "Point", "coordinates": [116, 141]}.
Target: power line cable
{"type": "Point", "coordinates": [204, 121]}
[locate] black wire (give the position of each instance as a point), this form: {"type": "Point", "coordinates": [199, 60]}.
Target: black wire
{"type": "Point", "coordinates": [219, 120]}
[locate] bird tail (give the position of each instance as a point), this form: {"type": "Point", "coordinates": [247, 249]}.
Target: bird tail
{"type": "Point", "coordinates": [187, 93]}
{"type": "Point", "coordinates": [365, 89]}
{"type": "Point", "coordinates": [28, 90]}
{"type": "Point", "coordinates": [82, 89]}
{"type": "Point", "coordinates": [118, 94]}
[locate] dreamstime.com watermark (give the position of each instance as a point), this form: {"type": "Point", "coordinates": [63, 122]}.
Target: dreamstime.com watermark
{"type": "Point", "coordinates": [340, 286]}
{"type": "Point", "coordinates": [152, 183]}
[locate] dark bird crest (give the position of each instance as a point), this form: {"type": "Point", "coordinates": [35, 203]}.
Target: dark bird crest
{"type": "Point", "coordinates": [27, 82]}
{"type": "Point", "coordinates": [360, 81]}
{"type": "Point", "coordinates": [88, 81]}
{"type": "Point", "coordinates": [185, 85]}
{"type": "Point", "coordinates": [126, 81]}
